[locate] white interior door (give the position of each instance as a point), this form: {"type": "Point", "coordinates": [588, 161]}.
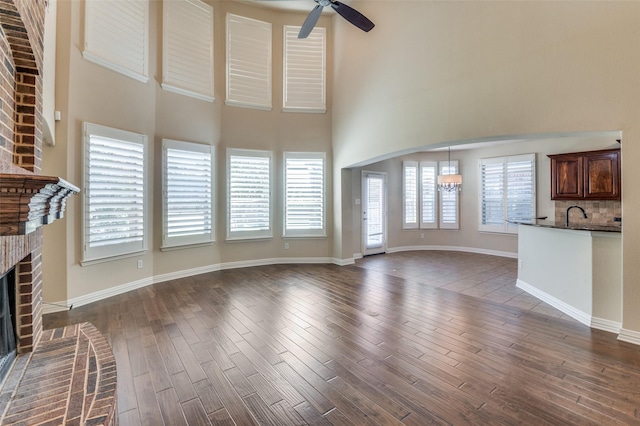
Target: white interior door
{"type": "Point", "coordinates": [374, 213]}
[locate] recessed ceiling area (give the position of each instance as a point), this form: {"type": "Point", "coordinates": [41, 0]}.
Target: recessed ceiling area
{"type": "Point", "coordinates": [288, 5]}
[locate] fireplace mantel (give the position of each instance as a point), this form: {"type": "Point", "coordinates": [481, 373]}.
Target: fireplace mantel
{"type": "Point", "coordinates": [30, 201]}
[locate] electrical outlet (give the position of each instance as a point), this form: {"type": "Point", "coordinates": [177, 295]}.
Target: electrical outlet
{"type": "Point", "coordinates": [422, 236]}
{"type": "Point", "coordinates": [286, 246]}
{"type": "Point", "coordinates": [140, 264]}
{"type": "Point", "coordinates": [520, 263]}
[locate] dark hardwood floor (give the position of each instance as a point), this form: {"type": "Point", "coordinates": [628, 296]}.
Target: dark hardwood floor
{"type": "Point", "coordinates": [382, 342]}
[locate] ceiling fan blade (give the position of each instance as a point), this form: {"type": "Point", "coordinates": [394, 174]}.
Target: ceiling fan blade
{"type": "Point", "coordinates": [353, 16]}
{"type": "Point", "coordinates": [310, 22]}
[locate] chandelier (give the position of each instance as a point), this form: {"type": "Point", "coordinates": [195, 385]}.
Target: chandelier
{"type": "Point", "coordinates": [449, 182]}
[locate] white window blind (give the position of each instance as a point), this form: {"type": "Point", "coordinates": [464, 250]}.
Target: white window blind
{"type": "Point", "coordinates": [187, 193]}
{"type": "Point", "coordinates": [187, 48]}
{"type": "Point", "coordinates": [249, 194]}
{"type": "Point", "coordinates": [115, 199]}
{"type": "Point", "coordinates": [117, 36]}
{"type": "Point", "coordinates": [248, 62]}
{"type": "Point", "coordinates": [449, 200]}
{"type": "Point", "coordinates": [508, 192]}
{"type": "Point", "coordinates": [428, 195]}
{"type": "Point", "coordinates": [409, 194]}
{"type": "Point", "coordinates": [304, 214]}
{"type": "Point", "coordinates": [304, 71]}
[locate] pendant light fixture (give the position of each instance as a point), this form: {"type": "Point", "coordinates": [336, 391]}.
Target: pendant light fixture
{"type": "Point", "coordinates": [449, 182]}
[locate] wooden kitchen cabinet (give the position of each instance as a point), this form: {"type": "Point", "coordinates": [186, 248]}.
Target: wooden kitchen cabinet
{"type": "Point", "coordinates": [591, 175]}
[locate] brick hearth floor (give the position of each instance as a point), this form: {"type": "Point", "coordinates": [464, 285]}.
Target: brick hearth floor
{"type": "Point", "coordinates": [69, 379]}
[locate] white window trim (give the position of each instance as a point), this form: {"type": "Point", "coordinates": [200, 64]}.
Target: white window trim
{"type": "Point", "coordinates": [249, 235]}
{"type": "Point", "coordinates": [190, 71]}
{"type": "Point", "coordinates": [93, 53]}
{"type": "Point", "coordinates": [267, 103]}
{"type": "Point", "coordinates": [116, 251]}
{"type": "Point", "coordinates": [317, 32]}
{"type": "Point", "coordinates": [182, 241]}
{"type": "Point", "coordinates": [442, 224]}
{"type": "Point", "coordinates": [506, 227]}
{"type": "Point", "coordinates": [306, 233]}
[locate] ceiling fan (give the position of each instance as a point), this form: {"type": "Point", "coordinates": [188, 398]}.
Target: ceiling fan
{"type": "Point", "coordinates": [347, 12]}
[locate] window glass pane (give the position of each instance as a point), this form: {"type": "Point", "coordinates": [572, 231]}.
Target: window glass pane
{"type": "Point", "coordinates": [304, 195]}
{"type": "Point", "coordinates": [249, 194]}
{"type": "Point", "coordinates": [410, 196]}
{"type": "Point", "coordinates": [429, 193]}
{"type": "Point", "coordinates": [188, 193]}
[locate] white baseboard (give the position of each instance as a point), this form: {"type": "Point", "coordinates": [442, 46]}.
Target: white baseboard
{"type": "Point", "coordinates": [606, 325]}
{"type": "Point", "coordinates": [629, 336]}
{"type": "Point", "coordinates": [51, 307]}
{"type": "Point", "coordinates": [454, 248]}
{"type": "Point", "coordinates": [577, 314]}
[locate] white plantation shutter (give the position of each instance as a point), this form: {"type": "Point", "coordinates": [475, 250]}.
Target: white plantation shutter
{"type": "Point", "coordinates": [409, 195]}
{"type": "Point", "coordinates": [249, 194]}
{"type": "Point", "coordinates": [449, 200]}
{"type": "Point", "coordinates": [304, 214]}
{"type": "Point", "coordinates": [428, 194]}
{"type": "Point", "coordinates": [115, 199]}
{"type": "Point", "coordinates": [304, 70]}
{"type": "Point", "coordinates": [248, 62]}
{"type": "Point", "coordinates": [507, 193]}
{"type": "Point", "coordinates": [117, 36]}
{"type": "Point", "coordinates": [187, 193]}
{"type": "Point", "coordinates": [187, 48]}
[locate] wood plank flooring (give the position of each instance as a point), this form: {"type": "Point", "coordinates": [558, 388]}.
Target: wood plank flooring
{"type": "Point", "coordinates": [391, 340]}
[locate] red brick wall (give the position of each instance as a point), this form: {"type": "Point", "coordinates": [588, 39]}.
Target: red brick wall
{"type": "Point", "coordinates": [21, 52]}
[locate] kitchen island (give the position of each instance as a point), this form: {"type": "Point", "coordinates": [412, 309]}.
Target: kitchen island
{"type": "Point", "coordinates": [576, 269]}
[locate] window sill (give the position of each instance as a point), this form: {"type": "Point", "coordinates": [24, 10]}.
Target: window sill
{"type": "Point", "coordinates": [186, 246]}
{"type": "Point", "coordinates": [90, 262]}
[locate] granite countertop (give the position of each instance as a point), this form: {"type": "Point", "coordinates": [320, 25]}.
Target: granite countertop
{"type": "Point", "coordinates": [573, 226]}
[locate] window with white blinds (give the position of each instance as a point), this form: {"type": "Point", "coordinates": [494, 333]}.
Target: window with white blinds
{"type": "Point", "coordinates": [117, 36]}
{"type": "Point", "coordinates": [304, 71]}
{"type": "Point", "coordinates": [409, 195]}
{"type": "Point", "coordinates": [187, 193]}
{"type": "Point", "coordinates": [115, 194]}
{"type": "Point", "coordinates": [187, 48]}
{"type": "Point", "coordinates": [428, 195]}
{"type": "Point", "coordinates": [304, 207]}
{"type": "Point", "coordinates": [248, 62]}
{"type": "Point", "coordinates": [420, 197]}
{"type": "Point", "coordinates": [508, 192]}
{"type": "Point", "coordinates": [449, 200]}
{"type": "Point", "coordinates": [249, 194]}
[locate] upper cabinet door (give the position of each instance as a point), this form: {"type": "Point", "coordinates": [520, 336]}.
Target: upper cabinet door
{"type": "Point", "coordinates": [602, 175]}
{"type": "Point", "coordinates": [592, 175]}
{"type": "Point", "coordinates": [566, 177]}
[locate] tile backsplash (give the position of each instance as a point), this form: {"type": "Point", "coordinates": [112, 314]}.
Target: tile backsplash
{"type": "Point", "coordinates": [599, 212]}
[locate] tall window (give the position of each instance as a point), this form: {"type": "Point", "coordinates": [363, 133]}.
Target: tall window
{"type": "Point", "coordinates": [249, 194]}
{"type": "Point", "coordinates": [248, 62]}
{"type": "Point", "coordinates": [117, 36]}
{"type": "Point", "coordinates": [304, 70]}
{"type": "Point", "coordinates": [115, 195]}
{"type": "Point", "coordinates": [420, 198]}
{"type": "Point", "coordinates": [187, 48]}
{"type": "Point", "coordinates": [508, 192]}
{"type": "Point", "coordinates": [449, 200]}
{"type": "Point", "coordinates": [187, 193]}
{"type": "Point", "coordinates": [304, 207]}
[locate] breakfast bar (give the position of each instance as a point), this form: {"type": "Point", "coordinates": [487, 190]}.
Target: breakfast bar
{"type": "Point", "coordinates": [576, 269]}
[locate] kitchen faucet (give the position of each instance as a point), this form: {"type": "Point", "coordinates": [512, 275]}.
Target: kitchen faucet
{"type": "Point", "coordinates": [584, 214]}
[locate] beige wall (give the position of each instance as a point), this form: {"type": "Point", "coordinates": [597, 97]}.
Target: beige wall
{"type": "Point", "coordinates": [435, 73]}
{"type": "Point", "coordinates": [89, 92]}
